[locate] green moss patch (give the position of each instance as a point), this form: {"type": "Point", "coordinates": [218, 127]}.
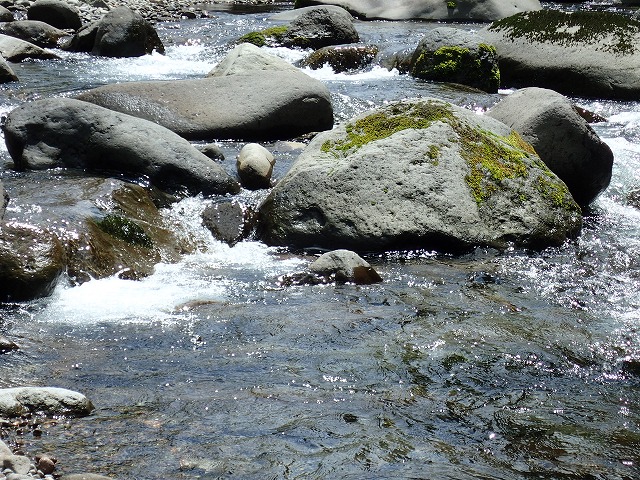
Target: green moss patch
{"type": "Point", "coordinates": [616, 32]}
{"type": "Point", "coordinates": [268, 36]}
{"type": "Point", "coordinates": [125, 229]}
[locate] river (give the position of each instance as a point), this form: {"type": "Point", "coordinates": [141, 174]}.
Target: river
{"type": "Point", "coordinates": [491, 365]}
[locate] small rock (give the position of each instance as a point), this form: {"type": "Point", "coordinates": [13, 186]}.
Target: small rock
{"type": "Point", "coordinates": [7, 345]}
{"type": "Point", "coordinates": [46, 464]}
{"type": "Point", "coordinates": [213, 151]}
{"type": "Point", "coordinates": [345, 266]}
{"type": "Point", "coordinates": [17, 463]}
{"type": "Point", "coordinates": [255, 166]}
{"type": "Point", "coordinates": [229, 221]}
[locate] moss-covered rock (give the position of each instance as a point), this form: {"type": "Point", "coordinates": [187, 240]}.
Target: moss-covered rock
{"type": "Point", "coordinates": [452, 55]}
{"type": "Point", "coordinates": [341, 58]}
{"type": "Point", "coordinates": [424, 174]}
{"type": "Point", "coordinates": [583, 53]}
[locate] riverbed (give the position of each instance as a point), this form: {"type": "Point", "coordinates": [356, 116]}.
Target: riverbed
{"type": "Point", "coordinates": [490, 365]}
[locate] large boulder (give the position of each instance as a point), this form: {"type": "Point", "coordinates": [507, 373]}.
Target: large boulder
{"type": "Point", "coordinates": [57, 13]}
{"type": "Point", "coordinates": [592, 54]}
{"type": "Point", "coordinates": [252, 106]}
{"type": "Point", "coordinates": [39, 33]}
{"type": "Point", "coordinates": [45, 400]}
{"type": "Point", "coordinates": [419, 174]}
{"type": "Point", "coordinates": [15, 50]}
{"type": "Point", "coordinates": [63, 132]}
{"type": "Point", "coordinates": [467, 10]}
{"type": "Point", "coordinates": [565, 141]}
{"type": "Point", "coordinates": [125, 33]}
{"type": "Point", "coordinates": [452, 55]}
{"type": "Point", "coordinates": [315, 28]}
{"type": "Point", "coordinates": [31, 261]}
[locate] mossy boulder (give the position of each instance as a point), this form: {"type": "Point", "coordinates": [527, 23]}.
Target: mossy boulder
{"type": "Point", "coordinates": [419, 174]}
{"type": "Point", "coordinates": [341, 58]}
{"type": "Point", "coordinates": [584, 53]}
{"type": "Point", "coordinates": [453, 55]}
{"type": "Point", "coordinates": [316, 28]}
{"type": "Point", "coordinates": [464, 10]}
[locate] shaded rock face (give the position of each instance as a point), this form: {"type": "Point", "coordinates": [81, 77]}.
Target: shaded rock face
{"type": "Point", "coordinates": [563, 139]}
{"type": "Point", "coordinates": [62, 132]}
{"type": "Point", "coordinates": [6, 15]}
{"type": "Point", "coordinates": [124, 33]}
{"type": "Point", "coordinates": [592, 54]}
{"type": "Point", "coordinates": [419, 174]}
{"type": "Point", "coordinates": [476, 10]}
{"type": "Point", "coordinates": [257, 105]}
{"type": "Point", "coordinates": [6, 72]}
{"type": "Point", "coordinates": [56, 13]}
{"type": "Point", "coordinates": [229, 221]}
{"type": "Point", "coordinates": [452, 55]}
{"type": "Point", "coordinates": [48, 400]}
{"type": "Point", "coordinates": [15, 50]}
{"type": "Point", "coordinates": [4, 200]}
{"type": "Point", "coordinates": [342, 58]}
{"type": "Point", "coordinates": [39, 33]}
{"type": "Point", "coordinates": [31, 261]}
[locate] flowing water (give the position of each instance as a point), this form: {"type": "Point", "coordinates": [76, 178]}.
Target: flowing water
{"type": "Point", "coordinates": [493, 365]}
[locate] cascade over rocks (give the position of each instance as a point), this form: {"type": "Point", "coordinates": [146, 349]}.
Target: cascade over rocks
{"type": "Point", "coordinates": [465, 10]}
{"type": "Point", "coordinates": [565, 141]}
{"type": "Point", "coordinates": [56, 13]}
{"type": "Point", "coordinates": [243, 100]}
{"type": "Point", "coordinates": [48, 400]}
{"type": "Point", "coordinates": [15, 50]}
{"type": "Point", "coordinates": [31, 261]}
{"type": "Point", "coordinates": [419, 174]}
{"type": "Point", "coordinates": [452, 55]}
{"type": "Point", "coordinates": [591, 54]}
{"type": "Point", "coordinates": [63, 132]}
{"type": "Point", "coordinates": [39, 33]}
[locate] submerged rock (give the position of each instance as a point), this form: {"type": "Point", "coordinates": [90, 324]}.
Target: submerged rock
{"type": "Point", "coordinates": [467, 10]}
{"type": "Point", "coordinates": [56, 13]}
{"type": "Point", "coordinates": [252, 106]}
{"type": "Point", "coordinates": [419, 174]}
{"type": "Point", "coordinates": [46, 400]}
{"type": "Point", "coordinates": [565, 141]}
{"type": "Point", "coordinates": [31, 261]}
{"type": "Point", "coordinates": [593, 54]}
{"type": "Point", "coordinates": [62, 132]}
{"type": "Point", "coordinates": [453, 55]}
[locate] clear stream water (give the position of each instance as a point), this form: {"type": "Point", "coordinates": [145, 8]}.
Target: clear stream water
{"type": "Point", "coordinates": [493, 365]}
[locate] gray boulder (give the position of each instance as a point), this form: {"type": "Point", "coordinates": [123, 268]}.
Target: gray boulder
{"type": "Point", "coordinates": [6, 15]}
{"type": "Point", "coordinates": [345, 266]}
{"type": "Point", "coordinates": [63, 132]}
{"type": "Point", "coordinates": [15, 50]}
{"type": "Point", "coordinates": [315, 28]}
{"type": "Point", "coordinates": [255, 105]}
{"type": "Point", "coordinates": [419, 174]}
{"type": "Point", "coordinates": [31, 261]}
{"type": "Point", "coordinates": [57, 13]}
{"type": "Point", "coordinates": [255, 166]}
{"type": "Point", "coordinates": [47, 400]}
{"type": "Point", "coordinates": [39, 33]}
{"type": "Point", "coordinates": [246, 58]}
{"type": "Point", "coordinates": [467, 10]}
{"type": "Point", "coordinates": [592, 54]}
{"type": "Point", "coordinates": [452, 55]}
{"type": "Point", "coordinates": [124, 33]}
{"type": "Point", "coordinates": [321, 27]}
{"type": "Point", "coordinates": [565, 141]}
{"type": "Point", "coordinates": [229, 220]}
{"type": "Point", "coordinates": [341, 58]}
